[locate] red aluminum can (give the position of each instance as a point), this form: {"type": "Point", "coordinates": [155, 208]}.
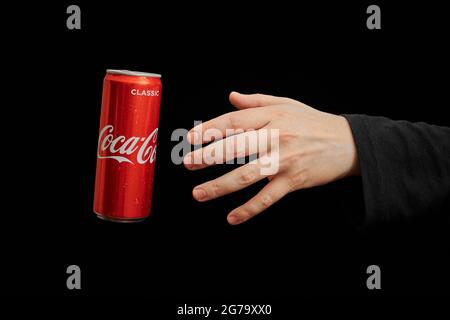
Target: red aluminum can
{"type": "Point", "coordinates": [127, 145]}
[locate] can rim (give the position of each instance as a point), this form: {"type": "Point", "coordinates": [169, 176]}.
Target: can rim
{"type": "Point", "coordinates": [133, 73]}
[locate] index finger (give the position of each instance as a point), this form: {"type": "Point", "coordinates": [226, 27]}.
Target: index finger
{"type": "Point", "coordinates": [228, 124]}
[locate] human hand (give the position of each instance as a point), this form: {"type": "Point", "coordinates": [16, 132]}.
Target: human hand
{"type": "Point", "coordinates": [314, 148]}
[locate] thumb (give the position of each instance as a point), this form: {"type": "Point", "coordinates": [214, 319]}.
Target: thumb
{"type": "Point", "coordinates": [244, 101]}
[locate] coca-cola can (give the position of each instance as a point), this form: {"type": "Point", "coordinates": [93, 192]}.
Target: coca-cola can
{"type": "Point", "coordinates": [127, 145]}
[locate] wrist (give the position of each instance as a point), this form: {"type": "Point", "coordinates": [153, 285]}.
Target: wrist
{"type": "Point", "coordinates": [348, 140]}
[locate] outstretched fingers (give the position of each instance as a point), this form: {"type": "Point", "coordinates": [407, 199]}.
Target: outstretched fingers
{"type": "Point", "coordinates": [253, 142]}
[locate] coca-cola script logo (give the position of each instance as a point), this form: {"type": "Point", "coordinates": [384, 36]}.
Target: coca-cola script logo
{"type": "Point", "coordinates": [122, 149]}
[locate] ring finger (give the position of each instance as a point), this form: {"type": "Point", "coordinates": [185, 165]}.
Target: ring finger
{"type": "Point", "coordinates": [232, 181]}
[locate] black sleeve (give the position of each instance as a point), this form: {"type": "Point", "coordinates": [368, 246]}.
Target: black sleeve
{"type": "Point", "coordinates": [405, 167]}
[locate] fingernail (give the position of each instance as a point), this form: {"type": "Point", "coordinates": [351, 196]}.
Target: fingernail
{"type": "Point", "coordinates": [199, 194]}
{"type": "Point", "coordinates": [233, 218]}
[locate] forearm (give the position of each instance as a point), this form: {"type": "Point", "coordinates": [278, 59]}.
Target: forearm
{"type": "Point", "coordinates": [405, 167]}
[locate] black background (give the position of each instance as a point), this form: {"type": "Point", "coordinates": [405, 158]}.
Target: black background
{"type": "Point", "coordinates": [320, 54]}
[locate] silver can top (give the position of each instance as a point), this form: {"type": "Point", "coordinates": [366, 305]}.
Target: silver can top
{"type": "Point", "coordinates": [133, 73]}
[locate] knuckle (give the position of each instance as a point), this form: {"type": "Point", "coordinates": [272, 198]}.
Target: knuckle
{"type": "Point", "coordinates": [292, 160]}
{"type": "Point", "coordinates": [259, 97]}
{"type": "Point", "coordinates": [266, 200]}
{"type": "Point", "coordinates": [290, 101]}
{"type": "Point", "coordinates": [247, 176]}
{"type": "Point", "coordinates": [234, 121]}
{"type": "Point", "coordinates": [215, 188]}
{"type": "Point", "coordinates": [298, 180]}
{"type": "Point", "coordinates": [285, 137]}
{"type": "Point", "coordinates": [208, 155]}
{"type": "Point", "coordinates": [295, 159]}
